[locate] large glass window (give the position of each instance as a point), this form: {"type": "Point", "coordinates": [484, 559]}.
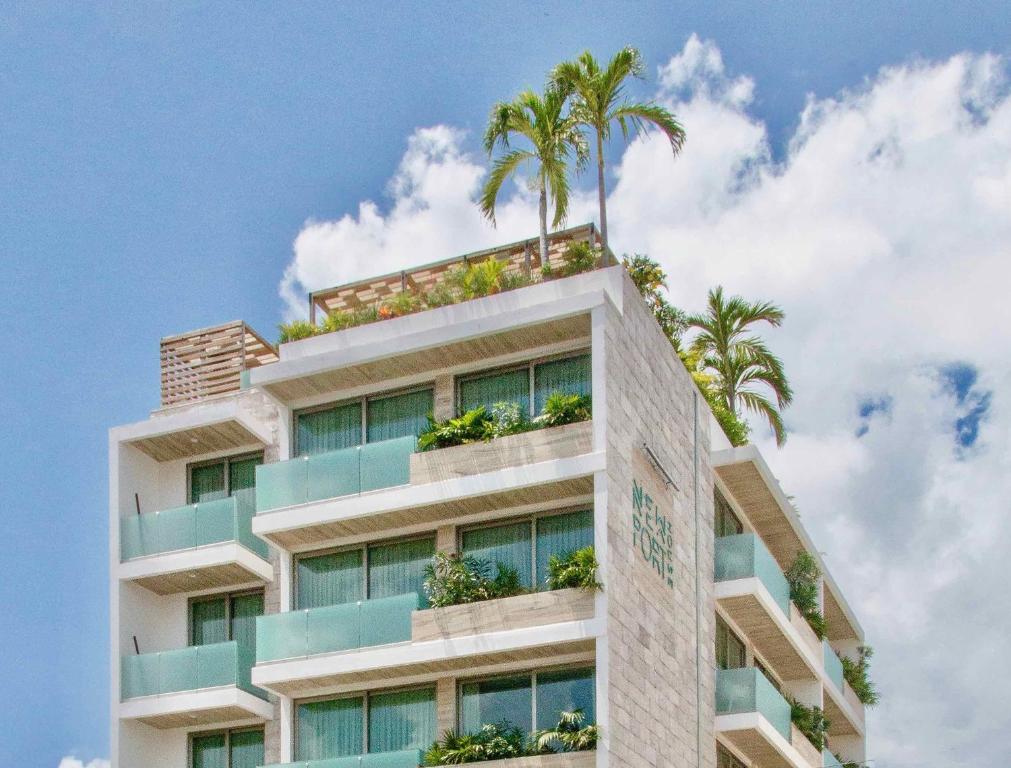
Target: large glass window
{"type": "Point", "coordinates": [727, 523]}
{"type": "Point", "coordinates": [395, 721]}
{"type": "Point", "coordinates": [528, 545]}
{"type": "Point", "coordinates": [227, 749]}
{"type": "Point", "coordinates": [529, 385]}
{"type": "Point", "coordinates": [379, 570]}
{"type": "Point", "coordinates": [730, 653]}
{"type": "Point", "coordinates": [515, 699]}
{"type": "Point", "coordinates": [221, 618]}
{"type": "Point", "coordinates": [219, 479]}
{"type": "Point", "coordinates": [333, 427]}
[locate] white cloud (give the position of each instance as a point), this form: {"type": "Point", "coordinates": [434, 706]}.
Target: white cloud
{"type": "Point", "coordinates": [73, 762]}
{"type": "Point", "coordinates": [885, 234]}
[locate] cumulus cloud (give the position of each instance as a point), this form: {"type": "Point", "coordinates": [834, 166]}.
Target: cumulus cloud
{"type": "Point", "coordinates": [73, 762]}
{"type": "Point", "coordinates": [884, 231]}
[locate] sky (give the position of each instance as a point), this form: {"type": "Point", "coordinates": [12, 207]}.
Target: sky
{"type": "Point", "coordinates": [171, 166]}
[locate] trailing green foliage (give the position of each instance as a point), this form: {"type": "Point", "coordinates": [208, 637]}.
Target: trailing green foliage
{"type": "Point", "coordinates": [454, 580]}
{"type": "Point", "coordinates": [803, 575]}
{"type": "Point", "coordinates": [810, 721]}
{"type": "Point", "coordinates": [459, 430]}
{"type": "Point", "coordinates": [574, 570]}
{"type": "Point", "coordinates": [857, 674]}
{"type": "Point", "coordinates": [845, 763]}
{"type": "Point", "coordinates": [561, 408]}
{"type": "Point", "coordinates": [295, 330]}
{"type": "Point", "coordinates": [503, 740]}
{"type": "Point", "coordinates": [569, 735]}
{"type": "Point", "coordinates": [577, 257]}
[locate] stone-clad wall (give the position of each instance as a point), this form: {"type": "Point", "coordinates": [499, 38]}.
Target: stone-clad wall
{"type": "Point", "coordinates": [652, 617]}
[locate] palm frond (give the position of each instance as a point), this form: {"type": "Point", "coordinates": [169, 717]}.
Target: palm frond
{"type": "Point", "coordinates": [759, 404]}
{"type": "Point", "coordinates": [639, 114]}
{"type": "Point", "coordinates": [504, 167]}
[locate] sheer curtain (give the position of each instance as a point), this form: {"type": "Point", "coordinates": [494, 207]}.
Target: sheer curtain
{"type": "Point", "coordinates": [508, 387]}
{"type": "Point", "coordinates": [398, 415]}
{"type": "Point", "coordinates": [507, 544]}
{"type": "Point", "coordinates": [246, 749]}
{"type": "Point", "coordinates": [402, 720]}
{"type": "Point", "coordinates": [559, 535]}
{"type": "Point", "coordinates": [328, 729]}
{"type": "Point", "coordinates": [328, 430]}
{"type": "Point", "coordinates": [242, 474]}
{"type": "Point", "coordinates": [210, 751]}
{"type": "Point", "coordinates": [207, 483]}
{"type": "Point", "coordinates": [245, 609]}
{"type": "Point", "coordinates": [395, 569]}
{"type": "Point", "coordinates": [571, 376]}
{"type": "Point", "coordinates": [330, 579]}
{"type": "Point", "coordinates": [564, 691]}
{"type": "Point", "coordinates": [208, 621]}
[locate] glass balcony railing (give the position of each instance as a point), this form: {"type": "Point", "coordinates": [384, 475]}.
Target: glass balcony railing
{"type": "Point", "coordinates": [345, 472]}
{"type": "Point", "coordinates": [188, 669]}
{"type": "Point", "coordinates": [410, 758]}
{"type": "Point", "coordinates": [833, 666]}
{"type": "Point", "coordinates": [748, 690]}
{"type": "Point", "coordinates": [745, 556]}
{"type": "Point", "coordinates": [192, 526]}
{"type": "Point", "coordinates": [828, 760]}
{"type": "Point", "coordinates": [298, 634]}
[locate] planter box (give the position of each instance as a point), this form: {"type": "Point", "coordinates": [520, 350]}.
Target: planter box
{"type": "Point", "coordinates": [511, 451]}
{"type": "Point", "coordinates": [804, 630]}
{"type": "Point", "coordinates": [586, 759]}
{"type": "Point", "coordinates": [536, 609]}
{"type": "Point", "coordinates": [851, 698]}
{"type": "Point", "coordinates": [804, 746]}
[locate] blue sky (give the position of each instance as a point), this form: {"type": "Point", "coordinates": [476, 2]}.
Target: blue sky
{"type": "Point", "coordinates": [157, 163]}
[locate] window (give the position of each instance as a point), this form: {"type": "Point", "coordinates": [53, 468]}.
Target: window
{"type": "Point", "coordinates": [378, 570]}
{"type": "Point", "coordinates": [220, 618]}
{"type": "Point", "coordinates": [725, 759]}
{"type": "Point", "coordinates": [221, 478]}
{"type": "Point", "coordinates": [375, 722]}
{"type": "Point", "coordinates": [529, 385]}
{"type": "Point", "coordinates": [727, 523]}
{"type": "Point", "coordinates": [730, 653]}
{"type": "Point", "coordinates": [528, 545]}
{"type": "Point", "coordinates": [527, 701]}
{"type": "Point", "coordinates": [343, 425]}
{"type": "Point", "coordinates": [227, 749]}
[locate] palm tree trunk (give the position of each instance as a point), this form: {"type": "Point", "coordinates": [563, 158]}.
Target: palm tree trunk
{"type": "Point", "coordinates": [602, 199]}
{"type": "Point", "coordinates": [543, 211]}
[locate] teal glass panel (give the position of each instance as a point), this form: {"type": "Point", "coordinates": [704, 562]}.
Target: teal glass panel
{"type": "Point", "coordinates": [242, 474]}
{"type": "Point", "coordinates": [833, 665]}
{"type": "Point", "coordinates": [215, 522]}
{"type": "Point", "coordinates": [387, 463]}
{"type": "Point", "coordinates": [502, 700]}
{"type": "Point", "coordinates": [507, 387]}
{"type": "Point", "coordinates": [328, 729]}
{"type": "Point", "coordinates": [506, 544]}
{"type": "Point", "coordinates": [745, 556]}
{"type": "Point", "coordinates": [208, 621]}
{"type": "Point", "coordinates": [131, 537]}
{"type": "Point", "coordinates": [282, 635]}
{"type": "Point", "coordinates": [207, 482]}
{"type": "Point", "coordinates": [561, 535]}
{"type": "Point", "coordinates": [330, 579]}
{"type": "Point", "coordinates": [387, 620]}
{"type": "Point", "coordinates": [570, 376]}
{"type": "Point", "coordinates": [398, 415]}
{"type": "Point", "coordinates": [245, 609]}
{"type": "Point", "coordinates": [281, 484]}
{"type": "Point", "coordinates": [140, 675]}
{"type": "Point", "coordinates": [328, 430]}
{"type": "Point", "coordinates": [333, 474]}
{"type": "Point", "coordinates": [396, 569]}
{"type": "Point", "coordinates": [210, 751]}
{"type": "Point", "coordinates": [177, 670]}
{"type": "Point", "coordinates": [402, 720]}
{"type": "Point", "coordinates": [245, 749]}
{"type": "Point", "coordinates": [245, 510]}
{"type": "Point", "coordinates": [828, 760]}
{"type": "Point", "coordinates": [748, 690]}
{"type": "Point", "coordinates": [216, 665]}
{"type": "Point", "coordinates": [174, 529]}
{"type": "Point", "coordinates": [334, 628]}
{"type": "Point", "coordinates": [410, 758]}
{"type": "Point", "coordinates": [564, 691]}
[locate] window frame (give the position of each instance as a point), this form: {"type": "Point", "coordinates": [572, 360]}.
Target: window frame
{"type": "Point", "coordinates": [365, 696]}
{"type": "Point", "coordinates": [731, 633]}
{"type": "Point", "coordinates": [530, 365]}
{"type": "Point", "coordinates": [227, 462]}
{"type": "Point", "coordinates": [227, 733]}
{"type": "Point", "coordinates": [719, 495]}
{"type": "Point", "coordinates": [228, 598]}
{"type": "Point", "coordinates": [362, 401]}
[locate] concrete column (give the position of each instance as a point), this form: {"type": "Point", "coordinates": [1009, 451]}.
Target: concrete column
{"type": "Point", "coordinates": [445, 539]}
{"type": "Point", "coordinates": [445, 398]}
{"type": "Point", "coordinates": [445, 704]}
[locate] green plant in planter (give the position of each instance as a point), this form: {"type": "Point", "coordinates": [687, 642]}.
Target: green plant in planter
{"type": "Point", "coordinates": [561, 408]}
{"type": "Point", "coordinates": [468, 428]}
{"type": "Point", "coordinates": [570, 735]}
{"type": "Point", "coordinates": [400, 304]}
{"type": "Point", "coordinates": [507, 419]}
{"type": "Point", "coordinates": [803, 577]}
{"type": "Point", "coordinates": [339, 321]}
{"type": "Point", "coordinates": [454, 580]}
{"type": "Point", "coordinates": [810, 721]}
{"type": "Point", "coordinates": [440, 295]}
{"type": "Point", "coordinates": [857, 674]}
{"type": "Point", "coordinates": [574, 570]}
{"type": "Point", "coordinates": [496, 741]}
{"type": "Point", "coordinates": [295, 330]}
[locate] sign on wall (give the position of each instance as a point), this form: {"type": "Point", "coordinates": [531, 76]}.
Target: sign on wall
{"type": "Point", "coordinates": [652, 519]}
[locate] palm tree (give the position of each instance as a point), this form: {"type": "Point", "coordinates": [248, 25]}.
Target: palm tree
{"type": "Point", "coordinates": [554, 139]}
{"type": "Point", "coordinates": [738, 360]}
{"type": "Point", "coordinates": [598, 102]}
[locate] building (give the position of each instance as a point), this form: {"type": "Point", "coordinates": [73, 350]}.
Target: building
{"type": "Point", "coordinates": [271, 521]}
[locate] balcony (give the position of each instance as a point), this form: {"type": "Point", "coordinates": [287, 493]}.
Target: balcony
{"type": "Point", "coordinates": [359, 645]}
{"type": "Point", "coordinates": [842, 707]}
{"type": "Point", "coordinates": [199, 546]}
{"type": "Point", "coordinates": [753, 591]}
{"type": "Point", "coordinates": [199, 685]}
{"type": "Point", "coordinates": [410, 758]}
{"type": "Point", "coordinates": [755, 718]}
{"type": "Point", "coordinates": [312, 501]}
